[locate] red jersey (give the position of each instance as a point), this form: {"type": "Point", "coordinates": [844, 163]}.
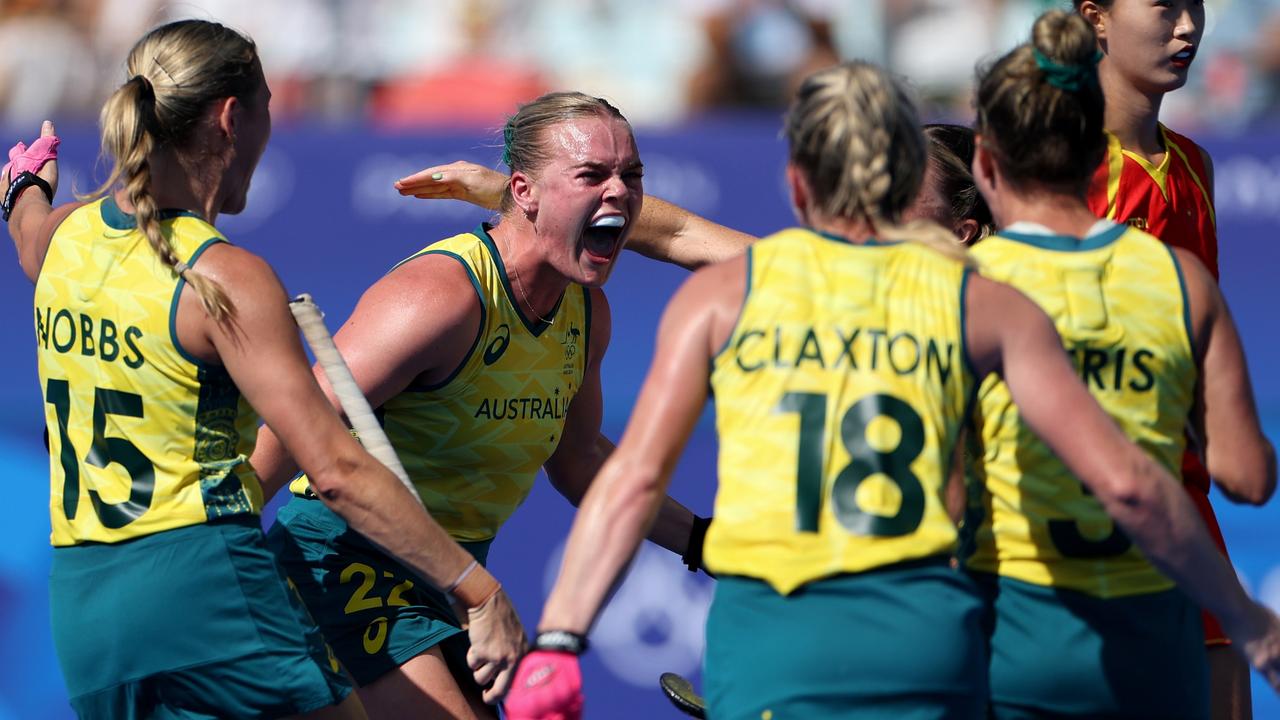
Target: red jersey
{"type": "Point", "coordinates": [1173, 202]}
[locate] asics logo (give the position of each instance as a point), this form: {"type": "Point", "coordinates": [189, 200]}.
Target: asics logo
{"type": "Point", "coordinates": [498, 345]}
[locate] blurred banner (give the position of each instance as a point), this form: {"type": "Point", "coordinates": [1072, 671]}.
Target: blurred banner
{"type": "Point", "coordinates": [323, 211]}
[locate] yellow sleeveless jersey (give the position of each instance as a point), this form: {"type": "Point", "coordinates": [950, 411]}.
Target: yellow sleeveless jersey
{"type": "Point", "coordinates": [839, 396]}
{"type": "Point", "coordinates": [473, 444]}
{"type": "Point", "coordinates": [142, 436]}
{"type": "Point", "coordinates": [1118, 300]}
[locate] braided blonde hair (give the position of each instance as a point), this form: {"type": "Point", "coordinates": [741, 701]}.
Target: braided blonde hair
{"type": "Point", "coordinates": [854, 132]}
{"type": "Point", "coordinates": [175, 72]}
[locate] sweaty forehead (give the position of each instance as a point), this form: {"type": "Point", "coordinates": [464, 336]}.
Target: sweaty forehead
{"type": "Point", "coordinates": [595, 139]}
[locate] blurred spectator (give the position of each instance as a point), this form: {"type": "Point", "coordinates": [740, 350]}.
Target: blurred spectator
{"type": "Point", "coordinates": [637, 55]}
{"type": "Point", "coordinates": [760, 51]}
{"type": "Point", "coordinates": [46, 67]}
{"type": "Point", "coordinates": [469, 62]}
{"type": "Point", "coordinates": [472, 84]}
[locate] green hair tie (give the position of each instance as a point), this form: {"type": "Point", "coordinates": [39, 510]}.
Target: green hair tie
{"type": "Point", "coordinates": [508, 136]}
{"type": "Point", "coordinates": [1071, 78]}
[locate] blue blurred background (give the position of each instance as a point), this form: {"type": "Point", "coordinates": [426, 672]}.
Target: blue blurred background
{"type": "Point", "coordinates": [366, 92]}
{"type": "Point", "coordinates": [323, 211]}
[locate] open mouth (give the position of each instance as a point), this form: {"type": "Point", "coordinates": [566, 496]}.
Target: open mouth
{"type": "Point", "coordinates": [1184, 58]}
{"type": "Point", "coordinates": [601, 237]}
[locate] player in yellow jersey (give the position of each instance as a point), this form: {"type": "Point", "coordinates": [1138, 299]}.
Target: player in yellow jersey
{"type": "Point", "coordinates": [672, 234]}
{"type": "Point", "coordinates": [158, 344]}
{"type": "Point", "coordinates": [1087, 622]}
{"type": "Point", "coordinates": [483, 353]}
{"type": "Point", "coordinates": [842, 357]}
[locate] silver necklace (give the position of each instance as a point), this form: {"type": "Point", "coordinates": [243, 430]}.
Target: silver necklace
{"type": "Point", "coordinates": [525, 296]}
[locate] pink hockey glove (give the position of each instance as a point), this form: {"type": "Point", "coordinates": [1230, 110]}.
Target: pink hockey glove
{"type": "Point", "coordinates": [30, 159]}
{"type": "Point", "coordinates": [548, 686]}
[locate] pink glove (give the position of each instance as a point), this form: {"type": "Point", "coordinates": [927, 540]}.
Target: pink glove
{"type": "Point", "coordinates": [23, 159]}
{"type": "Point", "coordinates": [548, 686]}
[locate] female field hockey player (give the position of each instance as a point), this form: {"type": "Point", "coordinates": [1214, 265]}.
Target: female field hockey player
{"type": "Point", "coordinates": [1086, 624]}
{"type": "Point", "coordinates": [483, 353]}
{"type": "Point", "coordinates": [842, 357]}
{"type": "Point", "coordinates": [158, 345]}
{"type": "Point", "coordinates": [1161, 182]}
{"type": "Point", "coordinates": [672, 234]}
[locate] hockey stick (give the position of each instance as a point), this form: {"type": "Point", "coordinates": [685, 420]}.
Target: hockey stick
{"type": "Point", "coordinates": [353, 401]}
{"type": "Point", "coordinates": [681, 694]}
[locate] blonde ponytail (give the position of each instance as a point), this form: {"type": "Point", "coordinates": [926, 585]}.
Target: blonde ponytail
{"type": "Point", "coordinates": [175, 71]}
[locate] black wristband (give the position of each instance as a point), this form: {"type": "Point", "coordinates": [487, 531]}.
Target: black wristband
{"type": "Point", "coordinates": [561, 641]}
{"type": "Point", "coordinates": [20, 183]}
{"type": "Point", "coordinates": [692, 556]}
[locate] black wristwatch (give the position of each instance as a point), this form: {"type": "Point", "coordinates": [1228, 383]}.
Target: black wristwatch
{"type": "Point", "coordinates": [20, 183]}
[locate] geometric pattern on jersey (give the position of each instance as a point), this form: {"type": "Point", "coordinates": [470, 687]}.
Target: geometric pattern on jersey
{"type": "Point", "coordinates": [838, 397]}
{"type": "Point", "coordinates": [143, 437]}
{"type": "Point", "coordinates": [473, 444]}
{"type": "Point", "coordinates": [1171, 200]}
{"type": "Point", "coordinates": [1118, 301]}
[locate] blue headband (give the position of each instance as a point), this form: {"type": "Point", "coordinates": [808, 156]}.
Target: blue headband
{"type": "Point", "coordinates": [1071, 78]}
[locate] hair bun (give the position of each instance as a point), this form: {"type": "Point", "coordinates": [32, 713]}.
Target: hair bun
{"type": "Point", "coordinates": [1065, 38]}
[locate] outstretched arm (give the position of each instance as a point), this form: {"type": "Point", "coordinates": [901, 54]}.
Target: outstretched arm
{"type": "Point", "coordinates": [33, 219]}
{"type": "Point", "coordinates": [1008, 333]}
{"type": "Point", "coordinates": [664, 231]}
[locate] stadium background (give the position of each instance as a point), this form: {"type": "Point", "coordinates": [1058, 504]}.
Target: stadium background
{"type": "Point", "coordinates": [322, 210]}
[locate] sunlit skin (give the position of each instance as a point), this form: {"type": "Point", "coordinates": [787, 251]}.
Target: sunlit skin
{"type": "Point", "coordinates": [594, 171]}
{"type": "Point", "coordinates": [1148, 48]}
{"type": "Point", "coordinates": [216, 177]}
{"type": "Point", "coordinates": [248, 144]}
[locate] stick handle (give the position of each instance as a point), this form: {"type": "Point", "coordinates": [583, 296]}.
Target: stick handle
{"type": "Point", "coordinates": [353, 401]}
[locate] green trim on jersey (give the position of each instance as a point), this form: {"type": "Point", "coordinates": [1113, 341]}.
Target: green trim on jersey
{"type": "Point", "coordinates": [538, 326]}
{"type": "Point", "coordinates": [1186, 298]}
{"type": "Point", "coordinates": [964, 337]}
{"type": "Point", "coordinates": [586, 314]}
{"type": "Point", "coordinates": [144, 433]}
{"type": "Point", "coordinates": [838, 400]}
{"type": "Point", "coordinates": [1067, 243]}
{"type": "Point", "coordinates": [484, 316]}
{"type": "Point", "coordinates": [1120, 311]}
{"type": "Point", "coordinates": [117, 219]}
{"type": "Point", "coordinates": [868, 242]}
{"type": "Point", "coordinates": [173, 304]}
{"type": "Point", "coordinates": [473, 446]}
